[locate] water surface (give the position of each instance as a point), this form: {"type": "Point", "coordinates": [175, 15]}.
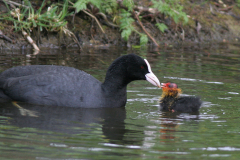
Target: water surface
{"type": "Point", "coordinates": [140, 130]}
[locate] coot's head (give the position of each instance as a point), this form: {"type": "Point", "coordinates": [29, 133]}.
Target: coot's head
{"type": "Point", "coordinates": [139, 69]}
{"type": "Point", "coordinates": [170, 90]}
{"type": "Point", "coordinates": [131, 67]}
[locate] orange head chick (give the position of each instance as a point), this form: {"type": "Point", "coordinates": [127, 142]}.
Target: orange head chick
{"type": "Point", "coordinates": [170, 90]}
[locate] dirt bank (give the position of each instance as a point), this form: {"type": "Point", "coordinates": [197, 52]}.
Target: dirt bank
{"type": "Point", "coordinates": [210, 21]}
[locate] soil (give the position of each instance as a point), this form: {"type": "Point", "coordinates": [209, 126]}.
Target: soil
{"type": "Point", "coordinates": [209, 21]}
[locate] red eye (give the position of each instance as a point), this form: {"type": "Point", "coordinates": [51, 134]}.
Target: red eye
{"type": "Point", "coordinates": [142, 67]}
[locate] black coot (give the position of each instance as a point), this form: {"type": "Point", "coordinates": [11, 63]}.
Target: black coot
{"type": "Point", "coordinates": [66, 86]}
{"type": "Point", "coordinates": [173, 102]}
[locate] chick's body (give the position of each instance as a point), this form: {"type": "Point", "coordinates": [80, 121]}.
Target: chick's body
{"type": "Point", "coordinates": [171, 100]}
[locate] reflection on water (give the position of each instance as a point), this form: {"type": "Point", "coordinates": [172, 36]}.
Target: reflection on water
{"type": "Point", "coordinates": [139, 131]}
{"type": "Point", "coordinates": [67, 120]}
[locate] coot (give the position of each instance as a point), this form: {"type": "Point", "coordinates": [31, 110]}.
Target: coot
{"type": "Point", "coordinates": [66, 86]}
{"type": "Point", "coordinates": [172, 101]}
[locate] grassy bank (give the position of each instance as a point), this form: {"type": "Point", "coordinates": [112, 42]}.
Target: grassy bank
{"type": "Point", "coordinates": [71, 23]}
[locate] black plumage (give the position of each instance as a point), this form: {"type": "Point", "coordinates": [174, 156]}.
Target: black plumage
{"type": "Point", "coordinates": [66, 86]}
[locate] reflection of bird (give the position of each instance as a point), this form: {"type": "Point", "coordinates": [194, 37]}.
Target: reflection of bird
{"type": "Point", "coordinates": [70, 120]}
{"type": "Point", "coordinates": [66, 86]}
{"type": "Point", "coordinates": [172, 101]}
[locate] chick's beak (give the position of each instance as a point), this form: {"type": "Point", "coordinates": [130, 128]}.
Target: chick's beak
{"type": "Point", "coordinates": [163, 85]}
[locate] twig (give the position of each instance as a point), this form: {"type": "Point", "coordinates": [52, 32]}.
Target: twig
{"type": "Point", "coordinates": [76, 41]}
{"type": "Point", "coordinates": [5, 37]}
{"type": "Point", "coordinates": [66, 31]}
{"type": "Point", "coordinates": [95, 19]}
{"type": "Point", "coordinates": [226, 9]}
{"type": "Point", "coordinates": [145, 30]}
{"type": "Point", "coordinates": [15, 3]}
{"type": "Point", "coordinates": [183, 34]}
{"type": "Point", "coordinates": [35, 52]}
{"type": "Point", "coordinates": [92, 17]}
{"type": "Point", "coordinates": [145, 9]}
{"type": "Point", "coordinates": [151, 10]}
{"type": "Point", "coordinates": [106, 20]}
{"type": "Point", "coordinates": [30, 40]}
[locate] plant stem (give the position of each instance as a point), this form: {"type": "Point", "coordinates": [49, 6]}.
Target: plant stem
{"type": "Point", "coordinates": [145, 29]}
{"type": "Point", "coordinates": [30, 40]}
{"type": "Point", "coordinates": [15, 3]}
{"type": "Point", "coordinates": [95, 19]}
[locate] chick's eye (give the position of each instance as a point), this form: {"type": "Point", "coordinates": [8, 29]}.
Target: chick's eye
{"type": "Point", "coordinates": [142, 67]}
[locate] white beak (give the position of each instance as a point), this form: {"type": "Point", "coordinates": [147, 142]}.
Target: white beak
{"type": "Point", "coordinates": [150, 77]}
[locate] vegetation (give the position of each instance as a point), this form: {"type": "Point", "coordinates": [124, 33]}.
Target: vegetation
{"type": "Point", "coordinates": [238, 3]}
{"type": "Point", "coordinates": [26, 19]}
{"type": "Point", "coordinates": [171, 8]}
{"type": "Point", "coordinates": [127, 16]}
{"type": "Point", "coordinates": [53, 19]}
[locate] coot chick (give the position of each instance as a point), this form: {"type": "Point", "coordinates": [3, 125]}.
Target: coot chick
{"type": "Point", "coordinates": [66, 86]}
{"type": "Point", "coordinates": [171, 100]}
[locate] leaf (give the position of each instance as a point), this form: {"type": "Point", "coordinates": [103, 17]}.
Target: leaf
{"type": "Point", "coordinates": [126, 33]}
{"type": "Point", "coordinates": [171, 8]}
{"type": "Point", "coordinates": [143, 39]}
{"type": "Point", "coordinates": [129, 4]}
{"type": "Point", "coordinates": [161, 26]}
{"type": "Point", "coordinates": [80, 5]}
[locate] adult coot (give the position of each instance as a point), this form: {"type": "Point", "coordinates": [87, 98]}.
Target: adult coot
{"type": "Point", "coordinates": [66, 86]}
{"type": "Point", "coordinates": [172, 101]}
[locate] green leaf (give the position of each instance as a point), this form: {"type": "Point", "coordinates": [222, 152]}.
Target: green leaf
{"type": "Point", "coordinates": [126, 33]}
{"type": "Point", "coordinates": [80, 5]}
{"type": "Point", "coordinates": [171, 8]}
{"type": "Point", "coordinates": [161, 26]}
{"type": "Point", "coordinates": [129, 4]}
{"type": "Point", "coordinates": [143, 39]}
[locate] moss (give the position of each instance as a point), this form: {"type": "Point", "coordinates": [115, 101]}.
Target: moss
{"type": "Point", "coordinates": [236, 10]}
{"type": "Point", "coordinates": [234, 27]}
{"type": "Point", "coordinates": [2, 26]}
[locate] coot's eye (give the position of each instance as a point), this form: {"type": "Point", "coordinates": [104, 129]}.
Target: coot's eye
{"type": "Point", "coordinates": [142, 67]}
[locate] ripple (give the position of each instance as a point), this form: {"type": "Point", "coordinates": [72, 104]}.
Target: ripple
{"type": "Point", "coordinates": [166, 152]}
{"type": "Point", "coordinates": [134, 147]}
{"type": "Point", "coordinates": [145, 100]}
{"type": "Point", "coordinates": [217, 148]}
{"type": "Point", "coordinates": [147, 95]}
{"type": "Point", "coordinates": [226, 98]}
{"type": "Point", "coordinates": [151, 88]}
{"type": "Point", "coordinates": [112, 145]}
{"type": "Point", "coordinates": [208, 116]}
{"type": "Point", "coordinates": [233, 93]}
{"type": "Point", "coordinates": [217, 155]}
{"type": "Point", "coordinates": [184, 79]}
{"type": "Point", "coordinates": [215, 82]}
{"type": "Point", "coordinates": [91, 149]}
{"type": "Point", "coordinates": [193, 80]}
{"type": "Point", "coordinates": [207, 104]}
{"type": "Point", "coordinates": [58, 145]}
{"type": "Point", "coordinates": [132, 91]}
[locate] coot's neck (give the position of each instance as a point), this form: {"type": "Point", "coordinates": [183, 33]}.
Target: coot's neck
{"type": "Point", "coordinates": [116, 79]}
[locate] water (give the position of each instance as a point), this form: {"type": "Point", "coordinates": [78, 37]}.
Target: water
{"type": "Point", "coordinates": [140, 130]}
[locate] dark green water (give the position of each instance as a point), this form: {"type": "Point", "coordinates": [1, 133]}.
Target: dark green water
{"type": "Point", "coordinates": [140, 131]}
